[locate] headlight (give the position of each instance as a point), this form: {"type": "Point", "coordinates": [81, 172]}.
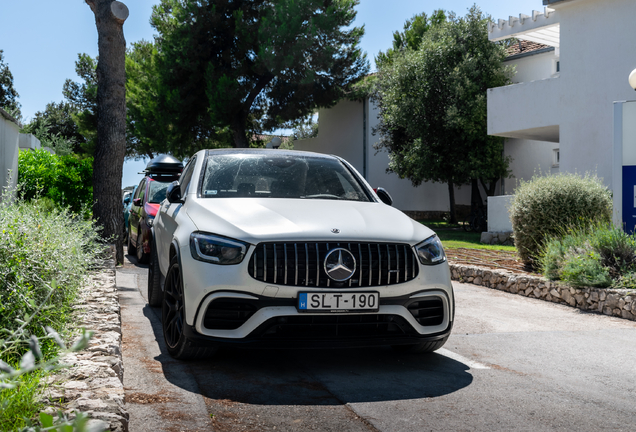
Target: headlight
{"type": "Point", "coordinates": [150, 220]}
{"type": "Point", "coordinates": [215, 249]}
{"type": "Point", "coordinates": [430, 251]}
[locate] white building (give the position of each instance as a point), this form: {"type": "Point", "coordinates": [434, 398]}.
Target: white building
{"type": "Point", "coordinates": [559, 114]}
{"type": "Point", "coordinates": [346, 130]}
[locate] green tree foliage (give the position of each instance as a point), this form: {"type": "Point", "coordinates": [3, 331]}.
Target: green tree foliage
{"type": "Point", "coordinates": [66, 181]}
{"type": "Point", "coordinates": [251, 66]}
{"type": "Point", "coordinates": [306, 127]}
{"type": "Point", "coordinates": [145, 132]}
{"type": "Point", "coordinates": [150, 126]}
{"type": "Point", "coordinates": [55, 128]}
{"type": "Point", "coordinates": [432, 103]}
{"type": "Point", "coordinates": [8, 94]}
{"type": "Point", "coordinates": [82, 100]}
{"type": "Point", "coordinates": [411, 37]}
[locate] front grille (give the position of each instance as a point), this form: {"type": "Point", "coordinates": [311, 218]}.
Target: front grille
{"type": "Point", "coordinates": [429, 312]}
{"type": "Point", "coordinates": [302, 264]}
{"type": "Point", "coordinates": [318, 327]}
{"type": "Point", "coordinates": [227, 314]}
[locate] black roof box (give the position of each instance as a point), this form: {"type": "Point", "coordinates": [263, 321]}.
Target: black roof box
{"type": "Point", "coordinates": [164, 164]}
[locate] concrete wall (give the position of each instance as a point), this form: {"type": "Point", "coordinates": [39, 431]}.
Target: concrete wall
{"type": "Point", "coordinates": [529, 110]}
{"type": "Point", "coordinates": [597, 40]}
{"type": "Point", "coordinates": [339, 133]}
{"type": "Point", "coordinates": [30, 142]}
{"type": "Point", "coordinates": [534, 67]}
{"type": "Point", "coordinates": [9, 136]}
{"type": "Point", "coordinates": [529, 157]}
{"type": "Point", "coordinates": [596, 47]}
{"type": "Point", "coordinates": [498, 218]}
{"type": "Point", "coordinates": [346, 130]}
{"type": "Point", "coordinates": [426, 197]}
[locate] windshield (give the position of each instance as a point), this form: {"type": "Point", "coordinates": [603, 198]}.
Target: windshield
{"type": "Point", "coordinates": [270, 175]}
{"type": "Point", "coordinates": [157, 191]}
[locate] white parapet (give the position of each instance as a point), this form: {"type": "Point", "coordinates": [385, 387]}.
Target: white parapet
{"type": "Point", "coordinates": [540, 27]}
{"type": "Point", "coordinates": [29, 142]}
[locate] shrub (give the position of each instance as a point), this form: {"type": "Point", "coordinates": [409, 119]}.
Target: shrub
{"type": "Point", "coordinates": [65, 180]}
{"type": "Point", "coordinates": [548, 206]}
{"type": "Point", "coordinates": [43, 257]}
{"type": "Point", "coordinates": [585, 270]}
{"type": "Point", "coordinates": [626, 281]}
{"type": "Point", "coordinates": [616, 249]}
{"type": "Point", "coordinates": [596, 256]}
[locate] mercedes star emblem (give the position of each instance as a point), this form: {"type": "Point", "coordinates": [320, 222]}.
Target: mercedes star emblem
{"type": "Point", "coordinates": [340, 264]}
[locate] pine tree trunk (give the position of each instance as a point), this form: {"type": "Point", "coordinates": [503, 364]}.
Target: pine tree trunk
{"type": "Point", "coordinates": [451, 197]}
{"type": "Point", "coordinates": [238, 132]}
{"type": "Point", "coordinates": [111, 120]}
{"type": "Point", "coordinates": [476, 202]}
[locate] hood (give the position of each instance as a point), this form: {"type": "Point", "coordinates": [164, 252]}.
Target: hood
{"type": "Point", "coordinates": [270, 219]}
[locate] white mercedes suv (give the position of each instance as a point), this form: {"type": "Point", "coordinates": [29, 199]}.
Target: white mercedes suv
{"type": "Point", "coordinates": [275, 248]}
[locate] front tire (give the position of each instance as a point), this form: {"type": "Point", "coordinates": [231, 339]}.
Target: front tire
{"type": "Point", "coordinates": [173, 318]}
{"type": "Point", "coordinates": [142, 258]}
{"type": "Point", "coordinates": [154, 279]}
{"type": "Point", "coordinates": [131, 249]}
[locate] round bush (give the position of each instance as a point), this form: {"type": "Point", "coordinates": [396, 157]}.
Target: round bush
{"type": "Point", "coordinates": [547, 206]}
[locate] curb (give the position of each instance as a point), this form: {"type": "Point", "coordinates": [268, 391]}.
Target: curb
{"type": "Point", "coordinates": [93, 383]}
{"type": "Point", "coordinates": [614, 302]}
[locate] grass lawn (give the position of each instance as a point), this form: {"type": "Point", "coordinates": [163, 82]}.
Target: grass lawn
{"type": "Point", "coordinates": [453, 236]}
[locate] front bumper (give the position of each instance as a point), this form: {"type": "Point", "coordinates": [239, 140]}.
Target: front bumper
{"type": "Point", "coordinates": [258, 314]}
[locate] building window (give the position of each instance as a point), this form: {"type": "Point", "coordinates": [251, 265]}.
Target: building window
{"type": "Point", "coordinates": [555, 158]}
{"type": "Point", "coordinates": [556, 67]}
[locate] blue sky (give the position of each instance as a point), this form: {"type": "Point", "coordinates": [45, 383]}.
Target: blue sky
{"type": "Point", "coordinates": [42, 38]}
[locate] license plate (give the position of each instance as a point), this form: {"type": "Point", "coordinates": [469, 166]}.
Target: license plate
{"type": "Point", "coordinates": [339, 302]}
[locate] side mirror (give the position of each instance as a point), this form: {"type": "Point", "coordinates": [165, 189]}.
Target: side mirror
{"type": "Point", "coordinates": [137, 201]}
{"type": "Point", "coordinates": [173, 194]}
{"type": "Point", "coordinates": [126, 200]}
{"type": "Point", "coordinates": [384, 196]}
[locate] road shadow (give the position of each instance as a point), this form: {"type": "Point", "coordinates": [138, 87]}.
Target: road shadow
{"type": "Point", "coordinates": [314, 377]}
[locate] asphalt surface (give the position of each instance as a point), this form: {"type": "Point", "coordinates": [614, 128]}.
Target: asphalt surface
{"type": "Point", "coordinates": [511, 363]}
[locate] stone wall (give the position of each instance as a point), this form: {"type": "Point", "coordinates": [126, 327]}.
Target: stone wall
{"type": "Point", "coordinates": [614, 302]}
{"type": "Point", "coordinates": [493, 238]}
{"type": "Point", "coordinates": [94, 382]}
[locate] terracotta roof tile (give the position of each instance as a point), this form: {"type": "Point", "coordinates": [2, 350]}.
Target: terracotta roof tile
{"type": "Point", "coordinates": [524, 47]}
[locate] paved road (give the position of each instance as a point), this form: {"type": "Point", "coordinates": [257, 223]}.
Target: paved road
{"type": "Point", "coordinates": [511, 363]}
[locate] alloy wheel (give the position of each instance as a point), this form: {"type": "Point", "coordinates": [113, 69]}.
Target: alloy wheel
{"type": "Point", "coordinates": [173, 311]}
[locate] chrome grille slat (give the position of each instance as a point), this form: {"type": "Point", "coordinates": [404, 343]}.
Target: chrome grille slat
{"type": "Point", "coordinates": [265, 262]}
{"type": "Point", "coordinates": [350, 280]}
{"type": "Point", "coordinates": [296, 263]}
{"type": "Point", "coordinates": [328, 280]}
{"type": "Point", "coordinates": [397, 265]}
{"type": "Point", "coordinates": [306, 265]}
{"type": "Point", "coordinates": [382, 258]}
{"type": "Point", "coordinates": [360, 256]}
{"type": "Point", "coordinates": [388, 265]}
{"type": "Point", "coordinates": [285, 251]}
{"type": "Point", "coordinates": [379, 266]}
{"type": "Point", "coordinates": [275, 265]}
{"type": "Point", "coordinates": [317, 266]}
